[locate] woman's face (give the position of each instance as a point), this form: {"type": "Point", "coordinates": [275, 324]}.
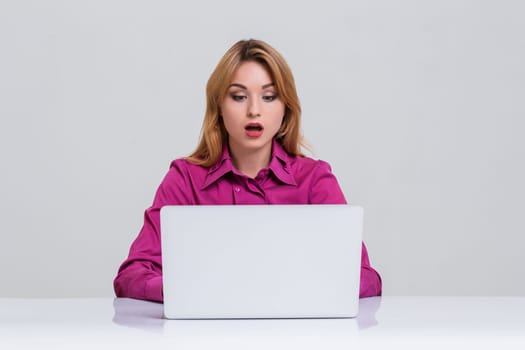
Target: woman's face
{"type": "Point", "coordinates": [251, 110]}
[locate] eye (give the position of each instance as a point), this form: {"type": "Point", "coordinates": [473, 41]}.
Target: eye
{"type": "Point", "coordinates": [270, 98]}
{"type": "Point", "coordinates": [238, 98]}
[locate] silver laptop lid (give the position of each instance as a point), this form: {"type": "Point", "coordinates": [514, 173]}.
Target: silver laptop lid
{"type": "Point", "coordinates": [261, 261]}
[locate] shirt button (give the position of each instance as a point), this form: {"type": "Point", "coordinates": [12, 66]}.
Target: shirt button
{"type": "Point", "coordinates": [237, 189]}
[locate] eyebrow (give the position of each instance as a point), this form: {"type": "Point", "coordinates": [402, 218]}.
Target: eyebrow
{"type": "Point", "coordinates": [245, 88]}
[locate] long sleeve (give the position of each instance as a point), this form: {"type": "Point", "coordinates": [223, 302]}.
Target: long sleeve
{"type": "Point", "coordinates": [325, 190]}
{"type": "Point", "coordinates": [370, 279]}
{"type": "Point", "coordinates": [140, 275]}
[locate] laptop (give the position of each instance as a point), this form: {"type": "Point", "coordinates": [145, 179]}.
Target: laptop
{"type": "Point", "coordinates": [261, 261]}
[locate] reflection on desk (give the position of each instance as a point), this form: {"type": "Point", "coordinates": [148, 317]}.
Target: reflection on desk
{"type": "Point", "coordinates": [408, 322]}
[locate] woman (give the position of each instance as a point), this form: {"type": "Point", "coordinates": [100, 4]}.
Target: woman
{"type": "Point", "coordinates": [249, 153]}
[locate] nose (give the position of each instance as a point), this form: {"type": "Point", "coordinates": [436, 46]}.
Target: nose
{"type": "Point", "coordinates": [253, 109]}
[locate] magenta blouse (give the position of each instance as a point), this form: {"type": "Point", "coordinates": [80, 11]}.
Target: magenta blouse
{"type": "Point", "coordinates": [286, 180]}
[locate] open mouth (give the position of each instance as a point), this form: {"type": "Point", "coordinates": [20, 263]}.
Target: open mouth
{"type": "Point", "coordinates": [254, 130]}
{"type": "Point", "coordinates": [253, 127]}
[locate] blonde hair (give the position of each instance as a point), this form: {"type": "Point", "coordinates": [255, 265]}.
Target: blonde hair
{"type": "Point", "coordinates": [213, 133]}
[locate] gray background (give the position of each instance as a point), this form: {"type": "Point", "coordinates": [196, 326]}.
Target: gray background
{"type": "Point", "coordinates": [418, 106]}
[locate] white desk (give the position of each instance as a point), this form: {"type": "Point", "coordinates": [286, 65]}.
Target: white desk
{"type": "Point", "coordinates": [383, 323]}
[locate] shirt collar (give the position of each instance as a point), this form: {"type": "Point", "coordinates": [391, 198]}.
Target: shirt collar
{"type": "Point", "coordinates": [279, 165]}
{"type": "Point", "coordinates": [222, 167]}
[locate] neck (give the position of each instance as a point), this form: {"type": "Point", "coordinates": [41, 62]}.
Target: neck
{"type": "Point", "coordinates": [250, 162]}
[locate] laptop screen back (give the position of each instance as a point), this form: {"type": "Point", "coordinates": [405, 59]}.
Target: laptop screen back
{"type": "Point", "coordinates": [261, 261]}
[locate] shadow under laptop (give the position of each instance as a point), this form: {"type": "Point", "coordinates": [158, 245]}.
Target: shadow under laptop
{"type": "Point", "coordinates": [278, 333]}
